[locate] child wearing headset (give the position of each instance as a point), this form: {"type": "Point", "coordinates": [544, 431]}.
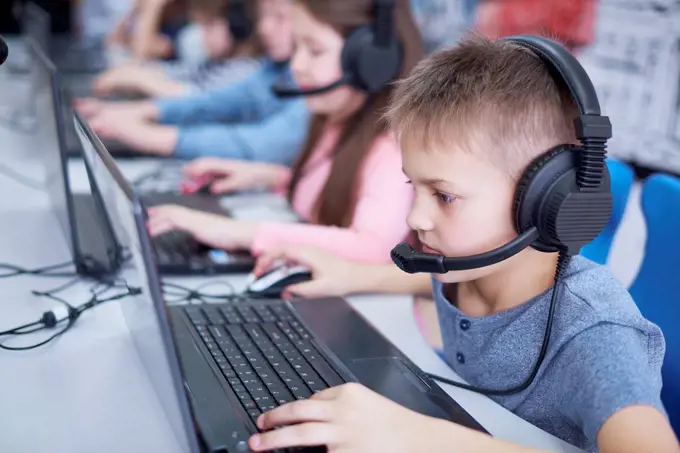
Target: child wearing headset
{"type": "Point", "coordinates": [149, 30]}
{"type": "Point", "coordinates": [220, 57]}
{"type": "Point", "coordinates": [347, 183]}
{"type": "Point", "coordinates": [471, 121]}
{"type": "Point", "coordinates": [244, 120]}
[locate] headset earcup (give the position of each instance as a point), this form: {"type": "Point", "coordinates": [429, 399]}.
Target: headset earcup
{"type": "Point", "coordinates": [240, 22]}
{"type": "Point", "coordinates": [534, 184]}
{"type": "Point", "coordinates": [369, 67]}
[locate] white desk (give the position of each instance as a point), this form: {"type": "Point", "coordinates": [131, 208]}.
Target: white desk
{"type": "Point", "coordinates": [87, 391]}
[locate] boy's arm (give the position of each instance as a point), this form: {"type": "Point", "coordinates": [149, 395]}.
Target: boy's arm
{"type": "Point", "coordinates": [249, 99]}
{"type": "Point", "coordinates": [635, 429]}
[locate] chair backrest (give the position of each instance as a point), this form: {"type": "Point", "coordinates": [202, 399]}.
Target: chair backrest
{"type": "Point", "coordinates": [622, 178]}
{"type": "Point", "coordinates": [656, 289]}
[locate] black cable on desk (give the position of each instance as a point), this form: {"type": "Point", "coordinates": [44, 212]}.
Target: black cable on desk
{"type": "Point", "coordinates": [50, 319]}
{"type": "Point", "coordinates": [11, 270]}
{"type": "Point", "coordinates": [185, 294]}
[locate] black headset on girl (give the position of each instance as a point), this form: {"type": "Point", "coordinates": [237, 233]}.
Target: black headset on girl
{"type": "Point", "coordinates": [563, 200]}
{"type": "Point", "coordinates": [240, 21]}
{"type": "Point", "coordinates": [371, 57]}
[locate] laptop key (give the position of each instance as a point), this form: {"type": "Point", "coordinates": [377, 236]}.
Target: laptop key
{"type": "Point", "coordinates": [300, 392]}
{"type": "Point", "coordinates": [327, 373]}
{"type": "Point", "coordinates": [280, 394]}
{"type": "Point", "coordinates": [196, 316]}
{"type": "Point", "coordinates": [219, 333]}
{"type": "Point", "coordinates": [247, 314]}
{"type": "Point", "coordinates": [254, 414]}
{"type": "Point", "coordinates": [281, 312]}
{"type": "Point", "coordinates": [250, 405]}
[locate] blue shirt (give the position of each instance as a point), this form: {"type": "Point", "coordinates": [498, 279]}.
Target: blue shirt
{"type": "Point", "coordinates": [244, 120]}
{"type": "Point", "coordinates": [603, 355]}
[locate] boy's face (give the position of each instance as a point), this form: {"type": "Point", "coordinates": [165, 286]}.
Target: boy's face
{"type": "Point", "coordinates": [462, 204]}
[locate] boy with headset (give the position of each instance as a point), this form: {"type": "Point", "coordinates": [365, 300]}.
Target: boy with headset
{"type": "Point", "coordinates": [504, 145]}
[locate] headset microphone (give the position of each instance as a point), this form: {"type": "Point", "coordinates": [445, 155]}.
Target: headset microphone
{"type": "Point", "coordinates": [411, 261]}
{"type": "Point", "coordinates": [4, 50]}
{"type": "Point", "coordinates": [371, 58]}
{"type": "Point", "coordinates": [287, 91]}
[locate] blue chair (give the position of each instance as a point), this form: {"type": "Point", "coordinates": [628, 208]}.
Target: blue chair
{"type": "Point", "coordinates": [622, 177]}
{"type": "Point", "coordinates": [656, 289]}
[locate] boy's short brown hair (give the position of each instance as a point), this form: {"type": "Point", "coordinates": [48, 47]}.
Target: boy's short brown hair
{"type": "Point", "coordinates": [481, 95]}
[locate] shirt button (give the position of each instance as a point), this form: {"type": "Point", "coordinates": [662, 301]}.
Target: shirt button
{"type": "Point", "coordinates": [460, 357]}
{"type": "Point", "coordinates": [464, 324]}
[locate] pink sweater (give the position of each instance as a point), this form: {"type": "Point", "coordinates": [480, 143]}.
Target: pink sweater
{"type": "Point", "coordinates": [383, 202]}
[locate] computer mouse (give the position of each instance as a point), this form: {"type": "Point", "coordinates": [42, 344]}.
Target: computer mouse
{"type": "Point", "coordinates": [273, 282]}
{"type": "Point", "coordinates": [205, 189]}
{"type": "Point", "coordinates": [201, 187]}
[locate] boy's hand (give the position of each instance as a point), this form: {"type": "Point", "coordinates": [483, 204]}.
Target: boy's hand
{"type": "Point", "coordinates": [331, 275]}
{"type": "Point", "coordinates": [349, 418]}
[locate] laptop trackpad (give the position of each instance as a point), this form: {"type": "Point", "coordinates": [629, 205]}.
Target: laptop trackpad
{"type": "Point", "coordinates": [391, 378]}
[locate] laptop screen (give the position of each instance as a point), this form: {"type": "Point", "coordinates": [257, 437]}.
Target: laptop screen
{"type": "Point", "coordinates": [145, 314]}
{"type": "Point", "coordinates": [47, 142]}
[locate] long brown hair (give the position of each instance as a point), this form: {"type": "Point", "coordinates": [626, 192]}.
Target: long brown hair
{"type": "Point", "coordinates": [336, 203]}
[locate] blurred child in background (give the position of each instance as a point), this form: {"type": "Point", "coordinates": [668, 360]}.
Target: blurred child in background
{"type": "Point", "coordinates": [244, 120]}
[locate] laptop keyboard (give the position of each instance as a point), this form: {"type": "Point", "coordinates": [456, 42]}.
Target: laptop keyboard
{"type": "Point", "coordinates": [176, 247]}
{"type": "Point", "coordinates": [265, 354]}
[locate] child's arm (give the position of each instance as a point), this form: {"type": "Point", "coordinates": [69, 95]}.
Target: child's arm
{"type": "Point", "coordinates": [277, 139]}
{"type": "Point", "coordinates": [383, 202]}
{"type": "Point", "coordinates": [335, 276]}
{"type": "Point", "coordinates": [635, 429]}
{"type": "Point", "coordinates": [250, 99]}
{"type": "Point", "coordinates": [338, 418]}
{"type": "Point", "coordinates": [147, 42]}
{"type": "Point", "coordinates": [137, 133]}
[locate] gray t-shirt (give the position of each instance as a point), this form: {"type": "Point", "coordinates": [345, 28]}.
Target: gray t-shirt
{"type": "Point", "coordinates": [603, 355]}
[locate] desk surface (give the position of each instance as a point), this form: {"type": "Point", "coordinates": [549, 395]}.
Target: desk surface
{"type": "Point", "coordinates": [87, 391]}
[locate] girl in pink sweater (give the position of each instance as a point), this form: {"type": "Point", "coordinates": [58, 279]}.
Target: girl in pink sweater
{"type": "Point", "coordinates": [347, 183]}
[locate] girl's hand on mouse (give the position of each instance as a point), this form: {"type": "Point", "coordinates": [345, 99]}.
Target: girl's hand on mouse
{"type": "Point", "coordinates": [231, 175]}
{"type": "Point", "coordinates": [352, 418]}
{"type": "Point", "coordinates": [332, 275]}
{"type": "Point", "coordinates": [210, 229]}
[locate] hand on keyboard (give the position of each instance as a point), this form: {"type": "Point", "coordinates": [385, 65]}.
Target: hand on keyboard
{"type": "Point", "coordinates": [208, 229]}
{"type": "Point", "coordinates": [350, 418]}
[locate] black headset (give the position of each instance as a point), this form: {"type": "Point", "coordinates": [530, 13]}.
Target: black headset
{"type": "Point", "coordinates": [4, 51]}
{"type": "Point", "coordinates": [371, 57]}
{"type": "Point", "coordinates": [239, 20]}
{"type": "Point", "coordinates": [563, 200]}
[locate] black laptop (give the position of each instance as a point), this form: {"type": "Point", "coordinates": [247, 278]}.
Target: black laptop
{"type": "Point", "coordinates": [216, 367]}
{"type": "Point", "coordinates": [178, 252]}
{"type": "Point", "coordinates": [90, 238]}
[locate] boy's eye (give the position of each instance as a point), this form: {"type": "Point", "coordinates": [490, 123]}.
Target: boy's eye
{"type": "Point", "coordinates": [444, 198]}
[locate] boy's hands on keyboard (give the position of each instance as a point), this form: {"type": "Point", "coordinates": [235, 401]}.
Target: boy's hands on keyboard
{"type": "Point", "coordinates": [209, 229]}
{"type": "Point", "coordinates": [350, 418]}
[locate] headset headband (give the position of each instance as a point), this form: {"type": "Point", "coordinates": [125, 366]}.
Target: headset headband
{"type": "Point", "coordinates": [592, 128]}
